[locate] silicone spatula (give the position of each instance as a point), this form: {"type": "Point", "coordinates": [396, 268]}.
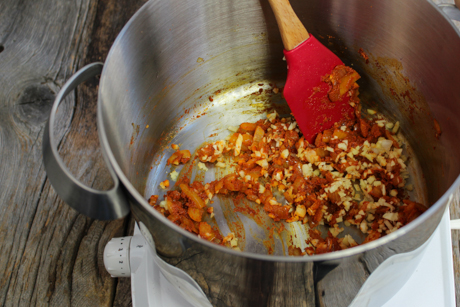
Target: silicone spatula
{"type": "Point", "coordinates": [308, 62]}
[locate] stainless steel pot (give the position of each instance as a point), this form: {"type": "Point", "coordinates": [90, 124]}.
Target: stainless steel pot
{"type": "Point", "coordinates": [155, 90]}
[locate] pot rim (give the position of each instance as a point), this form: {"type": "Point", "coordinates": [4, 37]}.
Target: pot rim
{"type": "Point", "coordinates": [445, 198]}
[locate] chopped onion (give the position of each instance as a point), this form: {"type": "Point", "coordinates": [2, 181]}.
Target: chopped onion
{"type": "Point", "coordinates": [386, 144]}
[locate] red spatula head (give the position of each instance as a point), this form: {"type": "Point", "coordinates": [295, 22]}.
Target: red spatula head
{"type": "Point", "coordinates": [307, 94]}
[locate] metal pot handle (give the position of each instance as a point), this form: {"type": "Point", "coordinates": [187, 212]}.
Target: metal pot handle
{"type": "Point", "coordinates": [101, 205]}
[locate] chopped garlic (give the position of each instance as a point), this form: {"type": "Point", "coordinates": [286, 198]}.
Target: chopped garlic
{"type": "Point", "coordinates": [371, 112]}
{"type": "Point", "coordinates": [335, 231]}
{"type": "Point", "coordinates": [202, 166]}
{"type": "Point", "coordinates": [311, 156]}
{"type": "Point", "coordinates": [388, 224]}
{"type": "Point", "coordinates": [301, 211]}
{"type": "Point", "coordinates": [261, 189]}
{"type": "Point", "coordinates": [164, 204]}
{"type": "Point", "coordinates": [234, 242]}
{"type": "Point", "coordinates": [391, 216]}
{"type": "Point", "coordinates": [164, 184]}
{"type": "Point", "coordinates": [174, 175]}
{"type": "Point", "coordinates": [285, 154]}
{"type": "Point", "coordinates": [307, 170]}
{"type": "Point", "coordinates": [381, 123]}
{"type": "Point", "coordinates": [220, 164]}
{"type": "Point", "coordinates": [370, 180]}
{"type": "Point", "coordinates": [239, 142]}
{"type": "Point", "coordinates": [272, 116]}
{"type": "Point", "coordinates": [395, 128]}
{"type": "Point", "coordinates": [363, 226]}
{"type": "Point", "coordinates": [263, 163]}
{"type": "Point", "coordinates": [342, 146]}
{"type": "Point", "coordinates": [278, 176]}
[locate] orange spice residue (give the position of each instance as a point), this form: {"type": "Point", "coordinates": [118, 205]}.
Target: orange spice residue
{"type": "Point", "coordinates": [364, 55]}
{"type": "Point", "coordinates": [351, 173]}
{"type": "Point", "coordinates": [437, 128]}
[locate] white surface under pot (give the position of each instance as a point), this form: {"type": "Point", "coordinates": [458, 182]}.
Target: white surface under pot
{"type": "Point", "coordinates": [156, 283]}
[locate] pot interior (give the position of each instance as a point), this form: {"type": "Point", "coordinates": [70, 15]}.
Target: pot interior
{"type": "Point", "coordinates": [182, 72]}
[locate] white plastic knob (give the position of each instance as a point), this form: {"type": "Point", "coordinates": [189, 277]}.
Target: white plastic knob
{"type": "Point", "coordinates": [116, 257]}
{"type": "Point", "coordinates": [454, 224]}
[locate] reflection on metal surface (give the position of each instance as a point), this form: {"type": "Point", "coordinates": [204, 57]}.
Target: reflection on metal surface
{"type": "Point", "coordinates": [152, 78]}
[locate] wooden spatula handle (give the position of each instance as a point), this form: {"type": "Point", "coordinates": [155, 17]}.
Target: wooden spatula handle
{"type": "Point", "coordinates": [292, 30]}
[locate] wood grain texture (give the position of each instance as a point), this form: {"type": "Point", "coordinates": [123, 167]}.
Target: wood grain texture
{"type": "Point", "coordinates": [291, 28]}
{"type": "Point", "coordinates": [455, 214]}
{"type": "Point", "coordinates": [50, 255]}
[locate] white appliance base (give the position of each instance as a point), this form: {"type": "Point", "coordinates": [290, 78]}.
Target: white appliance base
{"type": "Point", "coordinates": [432, 283]}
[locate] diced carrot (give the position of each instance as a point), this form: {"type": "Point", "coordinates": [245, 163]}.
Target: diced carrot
{"type": "Point", "coordinates": [248, 126]}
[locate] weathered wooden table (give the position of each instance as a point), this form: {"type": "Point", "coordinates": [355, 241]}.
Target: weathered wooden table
{"type": "Point", "coordinates": [50, 254]}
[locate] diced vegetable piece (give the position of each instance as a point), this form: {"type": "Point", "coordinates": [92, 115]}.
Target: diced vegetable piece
{"type": "Point", "coordinates": [247, 142]}
{"type": "Point", "coordinates": [153, 200]}
{"type": "Point", "coordinates": [206, 231]}
{"type": "Point", "coordinates": [180, 156]}
{"type": "Point", "coordinates": [339, 134]}
{"type": "Point", "coordinates": [355, 173]}
{"type": "Point", "coordinates": [194, 197]}
{"type": "Point", "coordinates": [326, 137]}
{"type": "Point", "coordinates": [195, 214]}
{"type": "Point", "coordinates": [232, 183]}
{"type": "Point", "coordinates": [248, 126]}
{"type": "Point", "coordinates": [188, 224]}
{"type": "Point", "coordinates": [347, 82]}
{"type": "Point", "coordinates": [258, 134]}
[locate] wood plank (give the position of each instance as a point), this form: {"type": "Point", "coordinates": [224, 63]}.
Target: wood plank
{"type": "Point", "coordinates": [455, 214]}
{"type": "Point", "coordinates": [51, 255]}
{"type": "Point", "coordinates": [39, 61]}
